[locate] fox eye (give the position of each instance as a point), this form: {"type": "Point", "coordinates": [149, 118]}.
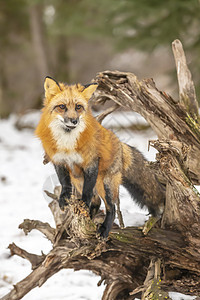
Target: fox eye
{"type": "Point", "coordinates": [78, 106]}
{"type": "Point", "coordinates": [62, 106]}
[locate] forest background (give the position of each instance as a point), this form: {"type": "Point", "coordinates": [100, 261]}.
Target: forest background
{"type": "Point", "coordinates": [73, 40]}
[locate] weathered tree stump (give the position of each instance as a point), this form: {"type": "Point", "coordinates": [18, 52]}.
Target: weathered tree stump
{"type": "Point", "coordinates": [130, 264]}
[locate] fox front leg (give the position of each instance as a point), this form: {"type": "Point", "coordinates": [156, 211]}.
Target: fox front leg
{"type": "Point", "coordinates": [65, 181]}
{"type": "Point", "coordinates": [90, 178]}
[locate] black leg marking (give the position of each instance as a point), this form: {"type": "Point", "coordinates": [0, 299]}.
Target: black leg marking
{"type": "Point", "coordinates": [110, 214]}
{"type": "Point", "coordinates": [90, 178]}
{"type": "Point", "coordinates": [65, 181]}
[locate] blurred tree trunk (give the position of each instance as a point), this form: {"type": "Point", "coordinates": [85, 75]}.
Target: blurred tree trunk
{"type": "Point", "coordinates": [2, 82]}
{"type": "Point", "coordinates": [5, 105]}
{"type": "Point", "coordinates": [61, 68]}
{"type": "Point", "coordinates": [38, 40]}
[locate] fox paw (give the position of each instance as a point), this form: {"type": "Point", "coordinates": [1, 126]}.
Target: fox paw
{"type": "Point", "coordinates": [102, 232]}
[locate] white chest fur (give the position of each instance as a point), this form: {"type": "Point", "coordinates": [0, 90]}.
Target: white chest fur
{"type": "Point", "coordinates": [66, 140]}
{"type": "Point", "coordinates": [68, 158]}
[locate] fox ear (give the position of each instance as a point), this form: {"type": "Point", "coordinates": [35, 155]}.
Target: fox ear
{"type": "Point", "coordinates": [51, 87]}
{"type": "Point", "coordinates": [89, 89]}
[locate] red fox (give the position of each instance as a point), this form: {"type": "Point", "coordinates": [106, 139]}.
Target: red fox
{"type": "Point", "coordinates": [83, 151]}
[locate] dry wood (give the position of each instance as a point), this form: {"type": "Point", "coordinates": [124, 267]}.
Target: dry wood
{"type": "Point", "coordinates": [182, 208]}
{"type": "Point", "coordinates": [121, 261]}
{"type": "Point", "coordinates": [187, 94]}
{"type": "Point", "coordinates": [167, 118]}
{"type": "Point", "coordinates": [132, 252]}
{"type": "Point", "coordinates": [151, 288]}
{"type": "Point", "coordinates": [129, 263]}
{"type": "Point", "coordinates": [45, 228]}
{"type": "Point", "coordinates": [105, 113]}
{"type": "Point", "coordinates": [34, 259]}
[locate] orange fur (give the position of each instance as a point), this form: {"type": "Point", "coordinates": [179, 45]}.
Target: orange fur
{"type": "Point", "coordinates": [92, 157]}
{"type": "Point", "coordinates": [93, 141]}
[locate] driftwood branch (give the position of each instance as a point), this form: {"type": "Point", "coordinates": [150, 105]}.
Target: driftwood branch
{"type": "Point", "coordinates": [105, 113]}
{"type": "Point", "coordinates": [129, 263]}
{"type": "Point", "coordinates": [183, 213]}
{"type": "Point", "coordinates": [187, 94]}
{"type": "Point", "coordinates": [45, 228]}
{"type": "Point", "coordinates": [34, 259]}
{"type": "Point", "coordinates": [166, 117]}
{"type": "Point", "coordinates": [151, 288]}
{"type": "Point", "coordinates": [132, 252]}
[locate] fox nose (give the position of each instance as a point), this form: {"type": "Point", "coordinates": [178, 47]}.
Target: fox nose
{"type": "Point", "coordinates": [71, 121]}
{"type": "Point", "coordinates": [74, 121]}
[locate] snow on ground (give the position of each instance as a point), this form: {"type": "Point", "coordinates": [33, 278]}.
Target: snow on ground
{"type": "Point", "coordinates": [22, 179]}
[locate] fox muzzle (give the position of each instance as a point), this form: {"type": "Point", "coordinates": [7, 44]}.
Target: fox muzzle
{"type": "Point", "coordinates": [71, 123]}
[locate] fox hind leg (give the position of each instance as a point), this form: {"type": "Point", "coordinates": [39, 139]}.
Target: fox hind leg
{"type": "Point", "coordinates": [110, 196]}
{"type": "Point", "coordinates": [110, 213]}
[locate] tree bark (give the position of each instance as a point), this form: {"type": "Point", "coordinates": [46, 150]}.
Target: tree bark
{"type": "Point", "coordinates": [131, 264]}
{"type": "Point", "coordinates": [166, 117]}
{"type": "Point", "coordinates": [122, 261]}
{"type": "Point", "coordinates": [187, 94]}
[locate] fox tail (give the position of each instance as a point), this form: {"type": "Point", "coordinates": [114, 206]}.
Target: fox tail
{"type": "Point", "coordinates": [141, 181]}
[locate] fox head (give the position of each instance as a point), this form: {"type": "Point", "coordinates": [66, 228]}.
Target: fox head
{"type": "Point", "coordinates": [67, 105]}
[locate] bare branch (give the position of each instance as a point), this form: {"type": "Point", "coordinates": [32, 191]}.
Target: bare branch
{"type": "Point", "coordinates": [45, 228]}
{"type": "Point", "coordinates": [51, 195]}
{"type": "Point", "coordinates": [34, 259]}
{"type": "Point", "coordinates": [105, 113]}
{"type": "Point", "coordinates": [119, 214]}
{"type": "Point", "coordinates": [57, 213]}
{"type": "Point", "coordinates": [187, 94]}
{"type": "Point", "coordinates": [38, 276]}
